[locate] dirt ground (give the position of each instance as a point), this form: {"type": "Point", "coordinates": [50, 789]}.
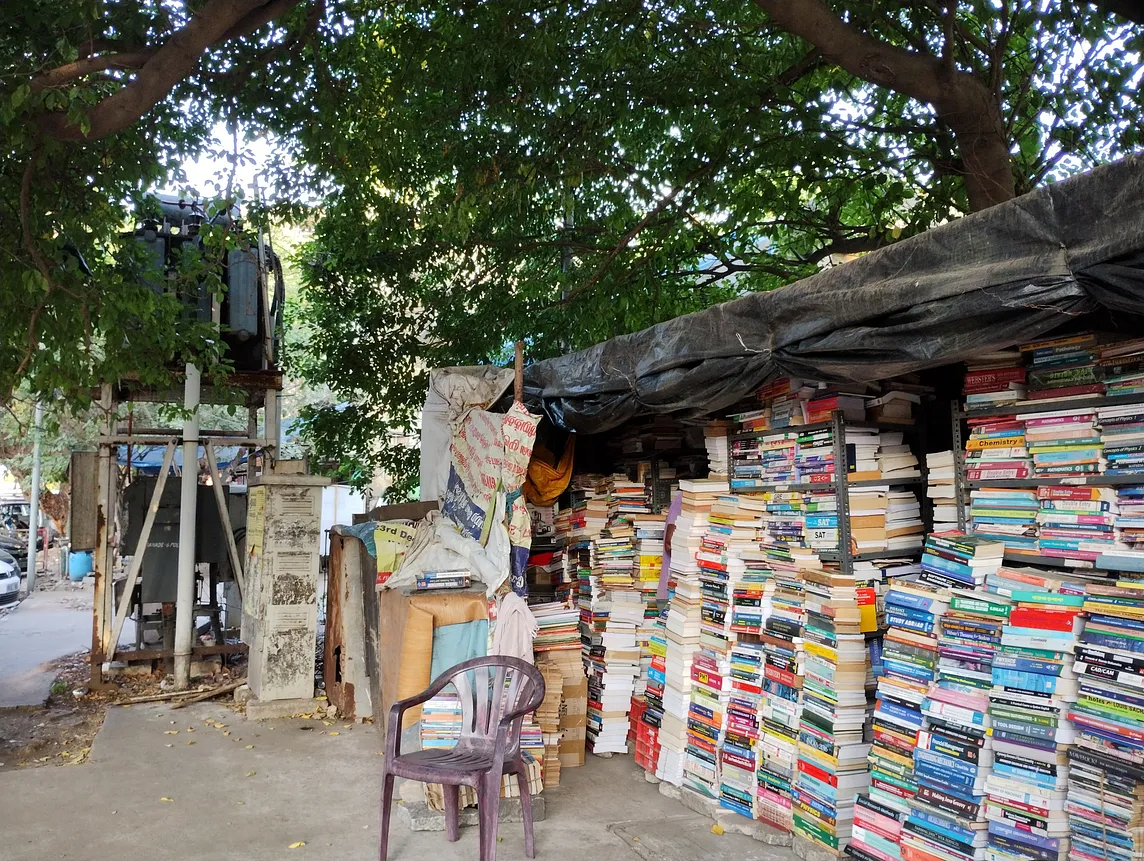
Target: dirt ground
{"type": "Point", "coordinates": [61, 732]}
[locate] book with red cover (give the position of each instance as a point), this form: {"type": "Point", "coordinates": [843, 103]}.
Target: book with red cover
{"type": "Point", "coordinates": [1044, 619]}
{"type": "Point", "coordinates": [1067, 392]}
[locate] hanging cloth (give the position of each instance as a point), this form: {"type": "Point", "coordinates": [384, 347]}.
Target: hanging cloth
{"type": "Point", "coordinates": [547, 477]}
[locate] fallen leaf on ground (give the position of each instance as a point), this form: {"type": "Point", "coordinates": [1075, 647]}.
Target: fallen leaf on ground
{"type": "Point", "coordinates": [297, 845]}
{"type": "Point", "coordinates": [250, 774]}
{"type": "Point", "coordinates": [250, 747]}
{"type": "Point", "coordinates": [170, 732]}
{"type": "Point", "coordinates": [335, 732]}
{"type": "Point", "coordinates": [165, 798]}
{"type": "Point", "coordinates": [716, 829]}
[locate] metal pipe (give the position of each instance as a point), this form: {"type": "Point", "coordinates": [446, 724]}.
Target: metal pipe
{"type": "Point", "coordinates": [185, 597]}
{"type": "Point", "coordinates": [34, 513]}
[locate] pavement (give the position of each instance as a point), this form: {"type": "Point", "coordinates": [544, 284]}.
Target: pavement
{"type": "Point", "coordinates": [249, 791]}
{"type": "Point", "coordinates": [43, 627]}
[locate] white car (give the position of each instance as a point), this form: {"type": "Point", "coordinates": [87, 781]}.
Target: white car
{"type": "Point", "coordinates": [9, 579]}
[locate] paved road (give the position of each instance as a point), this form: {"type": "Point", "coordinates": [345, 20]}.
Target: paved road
{"type": "Point", "coordinates": [46, 626]}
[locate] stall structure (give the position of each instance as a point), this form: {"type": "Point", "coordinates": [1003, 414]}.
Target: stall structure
{"type": "Point", "coordinates": [823, 660]}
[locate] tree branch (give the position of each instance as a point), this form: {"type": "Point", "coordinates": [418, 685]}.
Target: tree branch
{"type": "Point", "coordinates": [67, 73]}
{"type": "Point", "coordinates": [39, 259]}
{"type": "Point", "coordinates": [217, 21]}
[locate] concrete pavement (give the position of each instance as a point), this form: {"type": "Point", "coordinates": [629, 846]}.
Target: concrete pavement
{"type": "Point", "coordinates": [45, 626]}
{"type": "Point", "coordinates": [296, 782]}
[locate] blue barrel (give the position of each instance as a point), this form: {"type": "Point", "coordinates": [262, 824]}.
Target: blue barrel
{"type": "Point", "coordinates": [79, 565]}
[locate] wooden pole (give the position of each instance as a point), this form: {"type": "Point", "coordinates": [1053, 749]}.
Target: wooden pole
{"type": "Point", "coordinates": [518, 368]}
{"type": "Point", "coordinates": [224, 518]}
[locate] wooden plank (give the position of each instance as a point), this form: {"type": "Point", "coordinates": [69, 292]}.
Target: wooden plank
{"type": "Point", "coordinates": [336, 583]}
{"type": "Point", "coordinates": [196, 652]}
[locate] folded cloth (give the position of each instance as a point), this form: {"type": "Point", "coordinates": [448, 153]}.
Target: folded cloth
{"type": "Point", "coordinates": [516, 626]}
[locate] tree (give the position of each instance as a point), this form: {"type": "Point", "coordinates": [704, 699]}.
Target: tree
{"type": "Point", "coordinates": [100, 100]}
{"type": "Point", "coordinates": [564, 174]}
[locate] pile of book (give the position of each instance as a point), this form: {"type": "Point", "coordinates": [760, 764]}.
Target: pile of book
{"type": "Point", "coordinates": [739, 753]}
{"type": "Point", "coordinates": [996, 450]}
{"type": "Point", "coordinates": [706, 718]}
{"type": "Point", "coordinates": [613, 661]}
{"type": "Point", "coordinates": [1007, 515]}
{"type": "Point", "coordinates": [1076, 522]}
{"type": "Point", "coordinates": [941, 489]}
{"type": "Point", "coordinates": [994, 380]}
{"type": "Point", "coordinates": [454, 579]}
{"type": "Point", "coordinates": [588, 513]}
{"type": "Point", "coordinates": [715, 440]}
{"type": "Point", "coordinates": [1064, 442]}
{"type": "Point", "coordinates": [626, 498]}
{"type": "Point", "coordinates": [1122, 438]}
{"type": "Point", "coordinates": [1063, 368]}
{"type": "Point", "coordinates": [441, 720]}
{"type": "Point", "coordinates": [1128, 552]}
{"type": "Point", "coordinates": [764, 459]}
{"type": "Point", "coordinates": [1105, 770]}
{"type": "Point", "coordinates": [558, 627]}
{"type": "Point", "coordinates": [548, 719]}
{"type": "Point", "coordinates": [905, 530]}
{"type": "Point", "coordinates": [1122, 368]}
{"type": "Point", "coordinates": [546, 581]}
{"type": "Point", "coordinates": [831, 751]}
{"type": "Point", "coordinates": [1033, 689]}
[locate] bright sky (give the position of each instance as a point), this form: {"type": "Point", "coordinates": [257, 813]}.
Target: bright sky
{"type": "Point", "coordinates": [208, 175]}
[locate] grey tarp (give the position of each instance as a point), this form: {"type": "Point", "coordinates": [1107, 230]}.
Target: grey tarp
{"type": "Point", "coordinates": [986, 281]}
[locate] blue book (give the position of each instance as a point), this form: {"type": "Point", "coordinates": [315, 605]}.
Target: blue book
{"type": "Point", "coordinates": [1002, 661]}
{"type": "Point", "coordinates": [1037, 682]}
{"type": "Point", "coordinates": [946, 826]}
{"type": "Point", "coordinates": [908, 600]}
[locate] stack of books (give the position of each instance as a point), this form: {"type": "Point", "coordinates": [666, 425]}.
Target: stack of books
{"type": "Point", "coordinates": [814, 456]}
{"type": "Point", "coordinates": [1122, 367]}
{"type": "Point", "coordinates": [1122, 438]}
{"type": "Point", "coordinates": [868, 512]}
{"type": "Point", "coordinates": [656, 676]}
{"type": "Point", "coordinates": [626, 498]}
{"type": "Point", "coordinates": [895, 459]}
{"type": "Point", "coordinates": [1063, 368]}
{"type": "Point", "coordinates": [1105, 769]}
{"type": "Point", "coordinates": [905, 530]}
{"type": "Point", "coordinates": [1128, 552]}
{"type": "Point", "coordinates": [783, 658]}
{"type": "Point", "coordinates": [996, 450]}
{"type": "Point", "coordinates": [715, 440]}
{"type": "Point", "coordinates": [764, 459]}
{"type": "Point", "coordinates": [546, 573]}
{"type": "Point", "coordinates": [1007, 515]}
{"type": "Point", "coordinates": [739, 753]}
{"type": "Point", "coordinates": [1064, 442]}
{"type": "Point", "coordinates": [831, 751]}
{"type": "Point", "coordinates": [558, 626]}
{"type": "Point", "coordinates": [613, 555]}
{"type": "Point", "coordinates": [454, 579]}
{"type": "Point", "coordinates": [825, 404]}
{"type": "Point", "coordinates": [894, 407]}
{"type": "Point", "coordinates": [995, 380]}
{"type": "Point", "coordinates": [1033, 690]}
{"type": "Point", "coordinates": [953, 560]}
{"type": "Point", "coordinates": [941, 489]}
{"type": "Point", "coordinates": [1077, 522]}
{"type": "Point", "coordinates": [706, 720]}
{"type": "Point", "coordinates": [548, 718]}
{"type": "Point", "coordinates": [613, 662]}
{"type": "Point", "coordinates": [441, 720]}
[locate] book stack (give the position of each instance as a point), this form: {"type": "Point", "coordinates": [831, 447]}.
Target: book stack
{"type": "Point", "coordinates": [1006, 515]}
{"type": "Point", "coordinates": [584, 520]}
{"type": "Point", "coordinates": [817, 516]}
{"type": "Point", "coordinates": [994, 380]}
{"type": "Point", "coordinates": [786, 399]}
{"type": "Point", "coordinates": [1122, 367]}
{"type": "Point", "coordinates": [613, 555]}
{"type": "Point", "coordinates": [831, 751]}
{"type": "Point", "coordinates": [825, 404]}
{"type": "Point", "coordinates": [895, 459]}
{"type": "Point", "coordinates": [715, 440]}
{"type": "Point", "coordinates": [613, 662]}
{"type": "Point", "coordinates": [648, 560]}
{"type": "Point", "coordinates": [656, 676]}
{"type": "Point", "coordinates": [558, 627]}
{"type": "Point", "coordinates": [548, 718]}
{"type": "Point", "coordinates": [868, 513]}
{"type": "Point", "coordinates": [781, 713]}
{"type": "Point", "coordinates": [996, 450]}
{"type": "Point", "coordinates": [1109, 712]}
{"type": "Point", "coordinates": [877, 831]}
{"type": "Point", "coordinates": [953, 560]}
{"type": "Point", "coordinates": [905, 530]}
{"type": "Point", "coordinates": [1128, 552]}
{"type": "Point", "coordinates": [706, 720]}
{"type": "Point", "coordinates": [1063, 368]}
{"type": "Point", "coordinates": [1077, 522]}
{"type": "Point", "coordinates": [941, 489]}
{"type": "Point", "coordinates": [1064, 442]}
{"type": "Point", "coordinates": [739, 753]}
{"type": "Point", "coordinates": [546, 581]}
{"type": "Point", "coordinates": [626, 498]}
{"type": "Point", "coordinates": [1033, 690]}
{"type": "Point", "coordinates": [814, 456]}
{"type": "Point", "coordinates": [1105, 770]}
{"type": "Point", "coordinates": [1122, 438]}
{"type": "Point", "coordinates": [909, 666]}
{"type": "Point", "coordinates": [451, 579]}
{"type": "Point", "coordinates": [765, 459]}
{"type": "Point", "coordinates": [441, 720]}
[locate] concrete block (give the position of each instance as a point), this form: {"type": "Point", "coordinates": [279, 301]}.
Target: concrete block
{"type": "Point", "coordinates": [419, 817]}
{"type": "Point", "coordinates": [807, 850]}
{"type": "Point", "coordinates": [266, 709]}
{"type": "Point", "coordinates": [732, 822]}
{"type": "Point", "coordinates": [670, 790]}
{"type": "Point", "coordinates": [242, 694]}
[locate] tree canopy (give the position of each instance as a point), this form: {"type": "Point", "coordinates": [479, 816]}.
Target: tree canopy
{"type": "Point", "coordinates": [479, 172]}
{"type": "Point", "coordinates": [563, 174]}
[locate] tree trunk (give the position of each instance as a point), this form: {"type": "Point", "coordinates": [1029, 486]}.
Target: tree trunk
{"type": "Point", "coordinates": [974, 115]}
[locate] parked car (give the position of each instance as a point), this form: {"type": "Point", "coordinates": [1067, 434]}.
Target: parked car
{"type": "Point", "coordinates": [9, 578]}
{"type": "Point", "coordinates": [15, 520]}
{"type": "Point", "coordinates": [15, 549]}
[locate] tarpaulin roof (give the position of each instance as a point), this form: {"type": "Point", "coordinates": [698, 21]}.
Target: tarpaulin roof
{"type": "Point", "coordinates": [990, 280]}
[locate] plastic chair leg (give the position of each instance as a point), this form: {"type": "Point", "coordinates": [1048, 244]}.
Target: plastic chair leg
{"type": "Point", "coordinates": [386, 810]}
{"type": "Point", "coordinates": [452, 812]}
{"type": "Point", "coordinates": [526, 813]}
{"type": "Point", "coordinates": [490, 815]}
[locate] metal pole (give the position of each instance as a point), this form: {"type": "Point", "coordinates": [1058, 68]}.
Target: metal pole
{"type": "Point", "coordinates": [34, 514]}
{"type": "Point", "coordinates": [185, 600]}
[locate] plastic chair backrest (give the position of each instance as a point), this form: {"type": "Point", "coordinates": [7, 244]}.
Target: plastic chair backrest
{"type": "Point", "coordinates": [491, 688]}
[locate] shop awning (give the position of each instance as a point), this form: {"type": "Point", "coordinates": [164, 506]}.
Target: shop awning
{"type": "Point", "coordinates": [984, 282]}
